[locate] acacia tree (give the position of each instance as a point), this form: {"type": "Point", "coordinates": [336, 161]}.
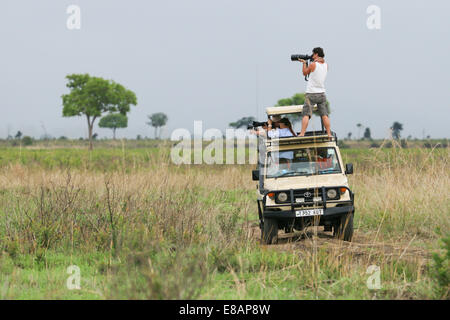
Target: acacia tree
{"type": "Point", "coordinates": [157, 120]}
{"type": "Point", "coordinates": [296, 99]}
{"type": "Point", "coordinates": [367, 134]}
{"type": "Point", "coordinates": [92, 96]}
{"type": "Point", "coordinates": [396, 128]}
{"type": "Point", "coordinates": [360, 127]}
{"type": "Point", "coordinates": [113, 121]}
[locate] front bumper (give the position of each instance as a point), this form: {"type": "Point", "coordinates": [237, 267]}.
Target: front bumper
{"type": "Point", "coordinates": [290, 208]}
{"type": "Point", "coordinates": [327, 212]}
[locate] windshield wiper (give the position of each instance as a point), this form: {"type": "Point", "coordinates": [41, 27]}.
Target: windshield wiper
{"type": "Point", "coordinates": [327, 171]}
{"type": "Point", "coordinates": [293, 172]}
{"type": "Point", "coordinates": [283, 174]}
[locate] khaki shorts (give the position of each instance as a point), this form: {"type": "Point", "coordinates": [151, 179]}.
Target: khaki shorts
{"type": "Point", "coordinates": [315, 98]}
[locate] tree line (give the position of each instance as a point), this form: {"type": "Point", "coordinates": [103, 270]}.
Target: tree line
{"type": "Point", "coordinates": [98, 98]}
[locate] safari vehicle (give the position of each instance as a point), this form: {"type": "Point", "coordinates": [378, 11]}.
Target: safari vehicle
{"type": "Point", "coordinates": [310, 189]}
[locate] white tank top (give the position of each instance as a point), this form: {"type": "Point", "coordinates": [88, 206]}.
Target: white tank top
{"type": "Point", "coordinates": [316, 82]}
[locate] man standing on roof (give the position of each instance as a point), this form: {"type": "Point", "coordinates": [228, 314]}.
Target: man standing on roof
{"type": "Point", "coordinates": [315, 90]}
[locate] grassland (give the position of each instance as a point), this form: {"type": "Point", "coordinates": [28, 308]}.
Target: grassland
{"type": "Point", "coordinates": [139, 227]}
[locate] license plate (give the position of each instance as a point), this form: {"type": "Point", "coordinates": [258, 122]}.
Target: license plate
{"type": "Point", "coordinates": [309, 212]}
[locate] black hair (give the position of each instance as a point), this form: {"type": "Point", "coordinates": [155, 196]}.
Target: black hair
{"type": "Point", "coordinates": [286, 122]}
{"type": "Point", "coordinates": [319, 52]}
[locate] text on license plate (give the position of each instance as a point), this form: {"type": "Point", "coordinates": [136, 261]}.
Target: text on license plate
{"type": "Point", "coordinates": [309, 212]}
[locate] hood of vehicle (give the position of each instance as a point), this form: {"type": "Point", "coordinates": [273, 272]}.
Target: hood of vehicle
{"type": "Point", "coordinates": [301, 182]}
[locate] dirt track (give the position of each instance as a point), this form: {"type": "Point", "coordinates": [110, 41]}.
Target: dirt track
{"type": "Point", "coordinates": [363, 245]}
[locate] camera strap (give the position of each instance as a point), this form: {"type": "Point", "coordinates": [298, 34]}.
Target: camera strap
{"type": "Point", "coordinates": [307, 76]}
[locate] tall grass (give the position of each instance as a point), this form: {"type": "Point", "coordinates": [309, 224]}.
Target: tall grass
{"type": "Point", "coordinates": [404, 192]}
{"type": "Point", "coordinates": [145, 228]}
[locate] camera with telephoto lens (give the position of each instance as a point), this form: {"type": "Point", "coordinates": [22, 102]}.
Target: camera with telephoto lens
{"type": "Point", "coordinates": [256, 124]}
{"type": "Point", "coordinates": [296, 57]}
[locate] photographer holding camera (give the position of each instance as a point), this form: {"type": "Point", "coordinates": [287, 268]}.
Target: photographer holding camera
{"type": "Point", "coordinates": [281, 129]}
{"type": "Point", "coordinates": [315, 89]}
{"type": "Point", "coordinates": [263, 127]}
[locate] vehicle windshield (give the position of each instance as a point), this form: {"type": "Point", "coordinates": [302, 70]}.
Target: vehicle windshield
{"type": "Point", "coordinates": [302, 162]}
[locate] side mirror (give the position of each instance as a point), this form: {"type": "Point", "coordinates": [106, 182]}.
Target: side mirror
{"type": "Point", "coordinates": [255, 175]}
{"type": "Point", "coordinates": [349, 168]}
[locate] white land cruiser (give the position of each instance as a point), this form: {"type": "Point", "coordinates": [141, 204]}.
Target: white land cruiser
{"type": "Point", "coordinates": [309, 189]}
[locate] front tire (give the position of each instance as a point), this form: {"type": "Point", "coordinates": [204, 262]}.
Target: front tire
{"type": "Point", "coordinates": [343, 230]}
{"type": "Point", "coordinates": [269, 232]}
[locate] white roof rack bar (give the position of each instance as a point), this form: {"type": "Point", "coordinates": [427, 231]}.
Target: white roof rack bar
{"type": "Point", "coordinates": [271, 111]}
{"type": "Point", "coordinates": [301, 140]}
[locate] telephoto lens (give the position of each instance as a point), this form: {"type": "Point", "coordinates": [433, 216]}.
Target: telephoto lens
{"type": "Point", "coordinates": [256, 124]}
{"type": "Point", "coordinates": [259, 124]}
{"type": "Point", "coordinates": [295, 57]}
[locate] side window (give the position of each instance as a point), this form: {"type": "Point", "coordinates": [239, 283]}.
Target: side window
{"type": "Point", "coordinates": [336, 166]}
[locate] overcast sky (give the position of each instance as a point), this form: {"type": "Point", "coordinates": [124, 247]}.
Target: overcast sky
{"type": "Point", "coordinates": [218, 61]}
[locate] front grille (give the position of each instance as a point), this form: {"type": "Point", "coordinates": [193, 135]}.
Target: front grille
{"type": "Point", "coordinates": [308, 194]}
{"type": "Point", "coordinates": [308, 205]}
{"type": "Point", "coordinates": [305, 196]}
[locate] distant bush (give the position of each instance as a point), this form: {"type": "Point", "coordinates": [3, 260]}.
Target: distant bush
{"type": "Point", "coordinates": [388, 145]}
{"type": "Point", "coordinates": [46, 137]}
{"type": "Point", "coordinates": [342, 145]}
{"type": "Point", "coordinates": [403, 143]}
{"type": "Point", "coordinates": [27, 141]}
{"type": "Point", "coordinates": [374, 145]}
{"type": "Point", "coordinates": [62, 138]}
{"type": "Point", "coordinates": [436, 145]}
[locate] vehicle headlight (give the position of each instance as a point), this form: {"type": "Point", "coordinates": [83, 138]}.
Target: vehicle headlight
{"type": "Point", "coordinates": [332, 193]}
{"type": "Point", "coordinates": [282, 197]}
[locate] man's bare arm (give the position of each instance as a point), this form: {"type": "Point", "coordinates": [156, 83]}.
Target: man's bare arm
{"type": "Point", "coordinates": [307, 69]}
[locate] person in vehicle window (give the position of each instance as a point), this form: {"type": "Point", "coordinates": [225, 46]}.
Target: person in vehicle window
{"type": "Point", "coordinates": [284, 130]}
{"type": "Point", "coordinates": [324, 160]}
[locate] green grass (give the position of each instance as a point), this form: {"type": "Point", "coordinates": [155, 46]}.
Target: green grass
{"type": "Point", "coordinates": [44, 275]}
{"type": "Point", "coordinates": [98, 159]}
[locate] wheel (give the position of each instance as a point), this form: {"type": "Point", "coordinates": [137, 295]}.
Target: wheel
{"type": "Point", "coordinates": [269, 232]}
{"type": "Point", "coordinates": [343, 229]}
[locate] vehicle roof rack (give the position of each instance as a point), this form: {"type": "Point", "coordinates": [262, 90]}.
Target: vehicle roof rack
{"type": "Point", "coordinates": [280, 110]}
{"type": "Point", "coordinates": [310, 137]}
{"type": "Point", "coordinates": [271, 111]}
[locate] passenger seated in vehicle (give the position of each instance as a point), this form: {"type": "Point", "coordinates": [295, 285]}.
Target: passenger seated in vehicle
{"type": "Point", "coordinates": [324, 160]}
{"type": "Point", "coordinates": [284, 130]}
{"type": "Point", "coordinates": [263, 130]}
